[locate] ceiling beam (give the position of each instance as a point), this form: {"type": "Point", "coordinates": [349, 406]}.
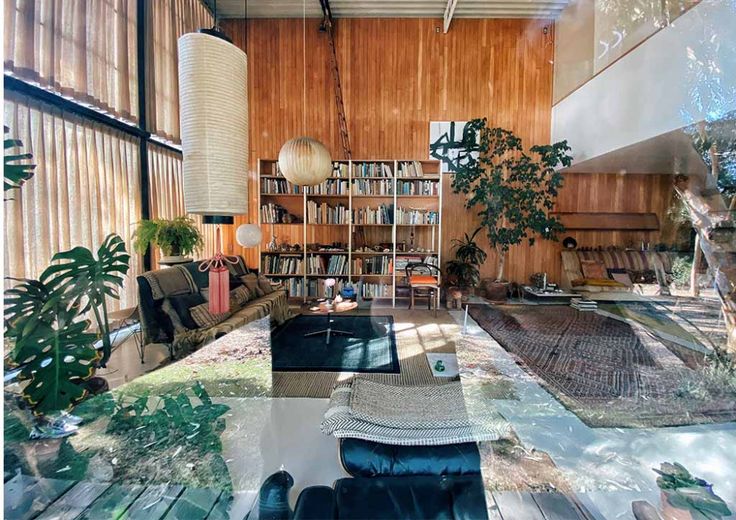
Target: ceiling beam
{"type": "Point", "coordinates": [449, 11]}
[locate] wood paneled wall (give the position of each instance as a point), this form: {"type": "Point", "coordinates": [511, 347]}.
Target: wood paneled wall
{"type": "Point", "coordinates": [400, 74]}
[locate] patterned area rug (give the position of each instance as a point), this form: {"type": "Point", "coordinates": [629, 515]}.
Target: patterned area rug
{"type": "Point", "coordinates": [608, 372]}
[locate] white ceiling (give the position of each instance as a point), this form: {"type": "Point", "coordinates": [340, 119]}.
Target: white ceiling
{"type": "Point", "coordinates": [389, 8]}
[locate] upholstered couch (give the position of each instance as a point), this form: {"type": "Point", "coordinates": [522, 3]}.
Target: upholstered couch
{"type": "Point", "coordinates": [649, 272]}
{"type": "Point", "coordinates": [167, 300]}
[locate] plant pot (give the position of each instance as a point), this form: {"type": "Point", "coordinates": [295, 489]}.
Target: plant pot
{"type": "Point", "coordinates": [175, 259]}
{"type": "Point", "coordinates": [496, 291]}
{"type": "Point", "coordinates": [96, 385]}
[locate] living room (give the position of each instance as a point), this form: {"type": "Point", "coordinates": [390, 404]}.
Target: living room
{"type": "Point", "coordinates": [335, 259]}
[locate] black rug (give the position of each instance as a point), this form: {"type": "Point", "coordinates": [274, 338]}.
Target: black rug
{"type": "Point", "coordinates": [371, 348]}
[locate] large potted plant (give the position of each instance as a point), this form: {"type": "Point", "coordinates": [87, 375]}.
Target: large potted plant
{"type": "Point", "coordinates": [177, 238]}
{"type": "Point", "coordinates": [47, 323]}
{"type": "Point", "coordinates": [512, 191]}
{"type": "Point", "coordinates": [463, 271]}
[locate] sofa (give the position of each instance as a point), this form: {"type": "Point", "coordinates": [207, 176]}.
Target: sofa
{"type": "Point", "coordinates": [173, 309]}
{"type": "Point", "coordinates": [645, 273]}
{"type": "Point", "coordinates": [388, 482]}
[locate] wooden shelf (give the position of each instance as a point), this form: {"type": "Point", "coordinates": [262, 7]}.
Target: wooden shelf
{"type": "Point", "coordinates": [345, 233]}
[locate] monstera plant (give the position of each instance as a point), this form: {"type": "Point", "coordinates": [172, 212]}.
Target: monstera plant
{"type": "Point", "coordinates": [15, 173]}
{"type": "Point", "coordinates": [46, 323]}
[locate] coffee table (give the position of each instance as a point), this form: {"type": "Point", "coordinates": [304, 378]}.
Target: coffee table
{"type": "Point", "coordinates": [327, 310]}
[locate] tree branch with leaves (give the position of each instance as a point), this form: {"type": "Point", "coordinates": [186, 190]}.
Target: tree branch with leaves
{"type": "Point", "coordinates": [513, 191]}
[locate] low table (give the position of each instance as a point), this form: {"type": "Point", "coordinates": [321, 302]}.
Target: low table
{"type": "Point", "coordinates": [548, 297]}
{"type": "Point", "coordinates": [327, 310]}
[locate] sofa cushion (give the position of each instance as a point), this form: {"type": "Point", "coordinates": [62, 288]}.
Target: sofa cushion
{"type": "Point", "coordinates": [362, 458]}
{"type": "Point", "coordinates": [251, 282]}
{"type": "Point", "coordinates": [426, 497]}
{"type": "Point", "coordinates": [593, 269]}
{"type": "Point", "coordinates": [182, 304]}
{"type": "Point", "coordinates": [204, 318]}
{"type": "Point", "coordinates": [265, 285]}
{"type": "Point", "coordinates": [239, 297]}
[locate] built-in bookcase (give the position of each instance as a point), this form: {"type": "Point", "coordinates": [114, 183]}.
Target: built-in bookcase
{"type": "Point", "coordinates": [364, 223]}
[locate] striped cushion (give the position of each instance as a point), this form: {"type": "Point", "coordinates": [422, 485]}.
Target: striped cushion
{"type": "Point", "coordinates": [204, 318]}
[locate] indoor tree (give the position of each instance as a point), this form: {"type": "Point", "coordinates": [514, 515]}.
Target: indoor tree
{"type": "Point", "coordinates": [512, 191]}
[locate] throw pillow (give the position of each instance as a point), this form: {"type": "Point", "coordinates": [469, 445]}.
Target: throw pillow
{"type": "Point", "coordinates": [621, 276]}
{"type": "Point", "coordinates": [239, 296]}
{"type": "Point", "coordinates": [204, 318]}
{"type": "Point", "coordinates": [265, 285]}
{"type": "Point", "coordinates": [593, 269]}
{"type": "Point", "coordinates": [182, 303]}
{"type": "Point", "coordinates": [251, 282]}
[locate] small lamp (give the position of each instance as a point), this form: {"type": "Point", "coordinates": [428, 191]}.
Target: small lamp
{"type": "Point", "coordinates": [248, 235]}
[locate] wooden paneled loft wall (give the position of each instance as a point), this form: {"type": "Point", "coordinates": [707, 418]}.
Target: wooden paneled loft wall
{"type": "Point", "coordinates": [399, 74]}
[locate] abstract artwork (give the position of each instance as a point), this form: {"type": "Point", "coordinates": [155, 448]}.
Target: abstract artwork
{"type": "Point", "coordinates": [446, 140]}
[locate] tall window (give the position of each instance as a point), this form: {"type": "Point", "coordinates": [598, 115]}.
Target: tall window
{"type": "Point", "coordinates": [86, 186]}
{"type": "Point", "coordinates": [81, 49]}
{"type": "Point", "coordinates": [169, 20]}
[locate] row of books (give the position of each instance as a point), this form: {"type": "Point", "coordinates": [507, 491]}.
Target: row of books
{"type": "Point", "coordinates": [334, 264]}
{"type": "Point", "coordinates": [417, 188]}
{"type": "Point", "coordinates": [323, 213]}
{"type": "Point", "coordinates": [403, 260]}
{"type": "Point", "coordinates": [372, 170]}
{"type": "Point", "coordinates": [329, 187]}
{"type": "Point", "coordinates": [338, 170]}
{"type": "Point", "coordinates": [410, 169]}
{"type": "Point", "coordinates": [373, 187]}
{"type": "Point", "coordinates": [295, 286]}
{"type": "Point", "coordinates": [375, 290]}
{"type": "Point", "coordinates": [384, 214]}
{"type": "Point", "coordinates": [278, 187]}
{"type": "Point", "coordinates": [272, 213]}
{"type": "Point", "coordinates": [274, 264]}
{"type": "Point", "coordinates": [373, 265]}
{"type": "Point", "coordinates": [415, 216]}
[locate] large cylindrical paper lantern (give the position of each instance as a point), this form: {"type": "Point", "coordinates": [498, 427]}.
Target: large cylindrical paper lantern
{"type": "Point", "coordinates": [213, 104]}
{"type": "Point", "coordinates": [305, 161]}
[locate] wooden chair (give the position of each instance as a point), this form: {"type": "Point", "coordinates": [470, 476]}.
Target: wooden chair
{"type": "Point", "coordinates": [423, 280]}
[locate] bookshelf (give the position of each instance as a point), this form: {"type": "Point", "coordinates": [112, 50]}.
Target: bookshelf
{"type": "Point", "coordinates": [364, 223]}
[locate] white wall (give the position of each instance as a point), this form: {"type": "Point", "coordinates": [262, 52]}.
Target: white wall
{"type": "Point", "coordinates": [654, 89]}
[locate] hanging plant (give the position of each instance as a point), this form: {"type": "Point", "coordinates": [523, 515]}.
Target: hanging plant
{"type": "Point", "coordinates": [176, 237]}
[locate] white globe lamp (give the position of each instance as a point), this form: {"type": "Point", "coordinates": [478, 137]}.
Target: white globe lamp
{"type": "Point", "coordinates": [305, 161]}
{"type": "Point", "coordinates": [248, 235]}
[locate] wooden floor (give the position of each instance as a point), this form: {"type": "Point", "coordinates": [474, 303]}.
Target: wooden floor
{"type": "Point", "coordinates": [44, 499]}
{"type": "Point", "coordinates": [29, 498]}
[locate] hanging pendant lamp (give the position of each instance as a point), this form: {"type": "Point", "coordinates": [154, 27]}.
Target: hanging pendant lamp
{"type": "Point", "coordinates": [213, 101]}
{"type": "Point", "coordinates": [305, 161]}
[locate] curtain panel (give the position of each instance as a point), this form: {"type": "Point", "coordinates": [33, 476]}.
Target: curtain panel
{"type": "Point", "coordinates": [166, 189]}
{"type": "Point", "coordinates": [85, 50]}
{"type": "Point", "coordinates": [169, 20]}
{"type": "Point", "coordinates": [86, 186]}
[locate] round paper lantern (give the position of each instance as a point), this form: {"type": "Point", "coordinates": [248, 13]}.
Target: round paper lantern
{"type": "Point", "coordinates": [248, 235]}
{"type": "Point", "coordinates": [305, 161]}
{"type": "Point", "coordinates": [213, 104]}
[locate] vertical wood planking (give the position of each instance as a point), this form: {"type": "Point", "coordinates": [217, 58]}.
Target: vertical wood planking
{"type": "Point", "coordinates": [399, 74]}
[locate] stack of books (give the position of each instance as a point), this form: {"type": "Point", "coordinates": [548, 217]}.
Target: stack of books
{"type": "Point", "coordinates": [334, 264]}
{"type": "Point", "coordinates": [373, 265]}
{"type": "Point", "coordinates": [373, 187]}
{"type": "Point", "coordinates": [426, 188]}
{"type": "Point", "coordinates": [295, 286]}
{"type": "Point", "coordinates": [329, 187]}
{"type": "Point", "coordinates": [278, 187]}
{"type": "Point", "coordinates": [274, 264]}
{"type": "Point", "coordinates": [372, 170]}
{"type": "Point", "coordinates": [274, 214]}
{"type": "Point", "coordinates": [583, 305]}
{"type": "Point", "coordinates": [416, 216]}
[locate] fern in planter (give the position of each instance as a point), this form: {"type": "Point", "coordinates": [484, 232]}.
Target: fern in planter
{"type": "Point", "coordinates": [463, 270]}
{"type": "Point", "coordinates": [512, 191]}
{"type": "Point", "coordinates": [46, 324]}
{"type": "Point", "coordinates": [176, 237]}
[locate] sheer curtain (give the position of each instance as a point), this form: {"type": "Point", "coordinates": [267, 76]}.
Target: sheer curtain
{"type": "Point", "coordinates": [86, 186]}
{"type": "Point", "coordinates": [81, 49]}
{"type": "Point", "coordinates": [167, 195]}
{"type": "Point", "coordinates": [169, 20]}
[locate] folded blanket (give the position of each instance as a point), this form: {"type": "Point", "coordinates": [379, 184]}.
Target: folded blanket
{"type": "Point", "coordinates": [340, 422]}
{"type": "Point", "coordinates": [434, 406]}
